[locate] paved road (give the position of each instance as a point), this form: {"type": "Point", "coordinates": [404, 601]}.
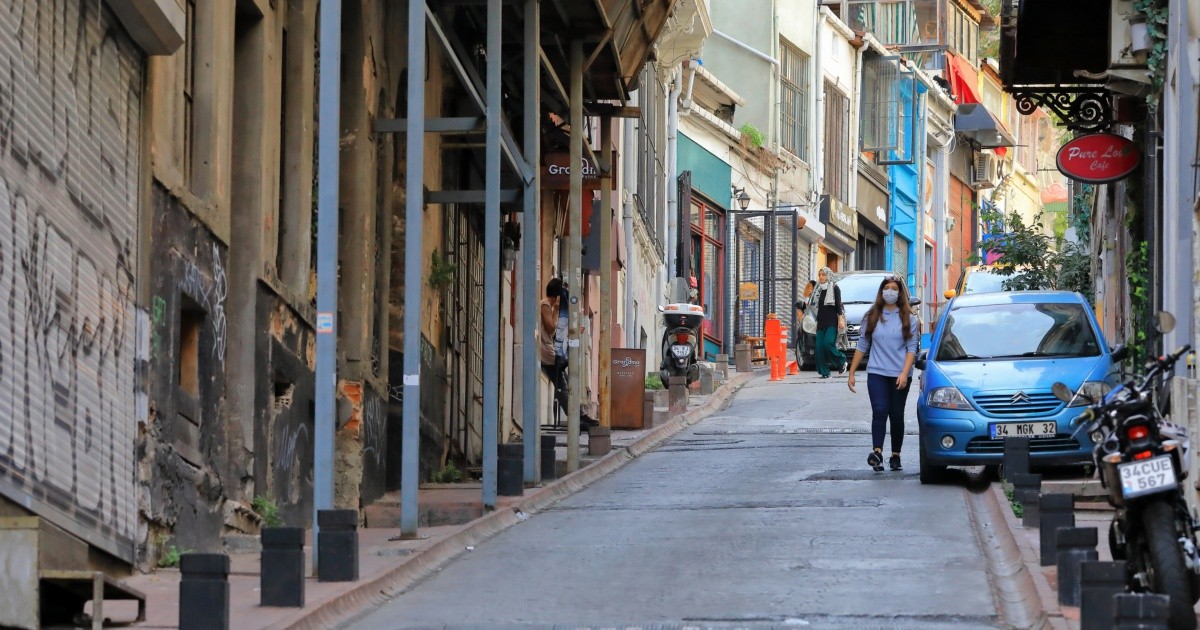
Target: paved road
{"type": "Point", "coordinates": [765, 514]}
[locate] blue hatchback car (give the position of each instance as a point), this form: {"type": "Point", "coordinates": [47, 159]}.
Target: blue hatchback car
{"type": "Point", "coordinates": [987, 375]}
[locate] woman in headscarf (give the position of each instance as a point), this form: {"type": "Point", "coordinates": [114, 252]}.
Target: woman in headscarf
{"type": "Point", "coordinates": [830, 319]}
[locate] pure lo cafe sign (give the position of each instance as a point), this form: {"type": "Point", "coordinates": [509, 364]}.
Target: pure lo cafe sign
{"type": "Point", "coordinates": [1098, 158]}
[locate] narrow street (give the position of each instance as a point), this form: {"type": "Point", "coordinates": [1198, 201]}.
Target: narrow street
{"type": "Point", "coordinates": [765, 513]}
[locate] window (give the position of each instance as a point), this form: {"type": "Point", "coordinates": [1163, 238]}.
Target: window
{"type": "Point", "coordinates": [189, 89]}
{"type": "Point", "coordinates": [837, 143]}
{"type": "Point", "coordinates": [1017, 331]}
{"type": "Point", "coordinates": [964, 35]}
{"type": "Point", "coordinates": [651, 130]}
{"type": "Point", "coordinates": [191, 322]}
{"type": "Point", "coordinates": [794, 100]}
{"type": "Point", "coordinates": [708, 247]}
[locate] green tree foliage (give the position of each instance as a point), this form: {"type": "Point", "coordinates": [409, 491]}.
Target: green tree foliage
{"type": "Point", "coordinates": [1043, 265]}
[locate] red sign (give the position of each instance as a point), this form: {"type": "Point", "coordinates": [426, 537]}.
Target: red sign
{"type": "Point", "coordinates": [1098, 158]}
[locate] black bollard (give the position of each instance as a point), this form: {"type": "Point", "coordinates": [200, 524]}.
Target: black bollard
{"type": "Point", "coordinates": [1098, 583]}
{"type": "Point", "coordinates": [1075, 545]}
{"type": "Point", "coordinates": [510, 470]}
{"type": "Point", "coordinates": [281, 581]}
{"type": "Point", "coordinates": [337, 546]}
{"type": "Point", "coordinates": [1016, 457]}
{"type": "Point", "coordinates": [204, 591]}
{"type": "Point", "coordinates": [548, 457]}
{"type": "Point", "coordinates": [1027, 488]}
{"type": "Point", "coordinates": [1055, 510]}
{"type": "Point", "coordinates": [1141, 611]}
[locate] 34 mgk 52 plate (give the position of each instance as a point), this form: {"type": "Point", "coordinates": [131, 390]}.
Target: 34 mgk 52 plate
{"type": "Point", "coordinates": [1147, 476]}
{"type": "Point", "coordinates": [1001, 430]}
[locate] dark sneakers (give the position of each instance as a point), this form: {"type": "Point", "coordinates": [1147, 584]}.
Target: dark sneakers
{"type": "Point", "coordinates": [875, 461]}
{"type": "Point", "coordinates": [894, 462]}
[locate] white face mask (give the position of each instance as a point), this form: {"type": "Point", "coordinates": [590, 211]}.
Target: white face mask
{"type": "Point", "coordinates": [891, 295]}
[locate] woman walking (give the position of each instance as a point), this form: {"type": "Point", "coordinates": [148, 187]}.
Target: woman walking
{"type": "Point", "coordinates": [889, 336]}
{"type": "Point", "coordinates": [831, 318]}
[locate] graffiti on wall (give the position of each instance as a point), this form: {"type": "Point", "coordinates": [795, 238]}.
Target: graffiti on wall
{"type": "Point", "coordinates": [69, 104]}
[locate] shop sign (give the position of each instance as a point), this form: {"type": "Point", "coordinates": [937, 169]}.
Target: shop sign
{"type": "Point", "coordinates": [627, 375]}
{"type": "Point", "coordinates": [748, 291]}
{"type": "Point", "coordinates": [1098, 158]}
{"type": "Point", "coordinates": [556, 172]}
{"type": "Point", "coordinates": [836, 215]}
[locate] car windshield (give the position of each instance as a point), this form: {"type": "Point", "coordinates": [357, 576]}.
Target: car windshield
{"type": "Point", "coordinates": [1013, 331]}
{"type": "Point", "coordinates": [986, 281]}
{"type": "Point", "coordinates": [860, 287]}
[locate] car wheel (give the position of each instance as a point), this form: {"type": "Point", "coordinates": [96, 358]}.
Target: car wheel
{"type": "Point", "coordinates": [930, 473]}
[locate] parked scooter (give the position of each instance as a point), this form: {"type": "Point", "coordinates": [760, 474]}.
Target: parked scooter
{"type": "Point", "coordinates": [681, 341]}
{"type": "Point", "coordinates": [1141, 459]}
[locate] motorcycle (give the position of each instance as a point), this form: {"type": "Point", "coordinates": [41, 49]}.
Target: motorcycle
{"type": "Point", "coordinates": [1141, 459]}
{"type": "Point", "coordinates": [681, 341]}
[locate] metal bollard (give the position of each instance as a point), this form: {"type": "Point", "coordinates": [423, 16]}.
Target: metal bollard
{"type": "Point", "coordinates": [1055, 510]}
{"type": "Point", "coordinates": [281, 581]}
{"type": "Point", "coordinates": [548, 457]}
{"type": "Point", "coordinates": [510, 469]}
{"type": "Point", "coordinates": [741, 357]}
{"type": "Point", "coordinates": [1098, 583]}
{"type": "Point", "coordinates": [1016, 457]}
{"type": "Point", "coordinates": [1075, 545]}
{"type": "Point", "coordinates": [1027, 488]}
{"type": "Point", "coordinates": [337, 546]}
{"type": "Point", "coordinates": [1141, 611]}
{"type": "Point", "coordinates": [678, 394]}
{"type": "Point", "coordinates": [204, 591]}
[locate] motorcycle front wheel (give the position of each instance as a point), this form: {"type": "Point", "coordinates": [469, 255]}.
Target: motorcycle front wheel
{"type": "Point", "coordinates": [1164, 560]}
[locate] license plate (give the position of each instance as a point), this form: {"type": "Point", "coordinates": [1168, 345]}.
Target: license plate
{"type": "Point", "coordinates": [1001, 430]}
{"type": "Point", "coordinates": [681, 351]}
{"type": "Point", "coordinates": [1147, 476]}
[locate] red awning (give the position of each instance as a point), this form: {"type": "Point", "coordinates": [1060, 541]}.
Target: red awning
{"type": "Point", "coordinates": [963, 79]}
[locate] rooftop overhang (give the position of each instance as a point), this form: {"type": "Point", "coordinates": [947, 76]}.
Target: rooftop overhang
{"type": "Point", "coordinates": [974, 122]}
{"type": "Point", "coordinates": [618, 37]}
{"type": "Point", "coordinates": [1056, 54]}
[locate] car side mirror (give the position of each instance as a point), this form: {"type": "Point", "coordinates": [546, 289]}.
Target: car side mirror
{"type": "Point", "coordinates": [1164, 322]}
{"type": "Point", "coordinates": [921, 361]}
{"type": "Point", "coordinates": [915, 302]}
{"type": "Point", "coordinates": [950, 294]}
{"type": "Point", "coordinates": [1120, 353]}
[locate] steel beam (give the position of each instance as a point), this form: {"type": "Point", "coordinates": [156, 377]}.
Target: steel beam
{"type": "Point", "coordinates": [463, 124]}
{"type": "Point", "coordinates": [574, 246]}
{"type": "Point", "coordinates": [491, 261]}
{"type": "Point", "coordinates": [325, 380]}
{"type": "Point", "coordinates": [414, 216]}
{"type": "Point", "coordinates": [530, 285]}
{"type": "Point", "coordinates": [466, 73]}
{"type": "Point", "coordinates": [507, 195]}
{"type": "Point", "coordinates": [606, 265]}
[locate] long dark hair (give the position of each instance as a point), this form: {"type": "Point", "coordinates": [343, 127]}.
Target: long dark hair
{"type": "Point", "coordinates": [876, 310]}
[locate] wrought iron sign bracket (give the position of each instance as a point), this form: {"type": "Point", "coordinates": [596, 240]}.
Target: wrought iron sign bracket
{"type": "Point", "coordinates": [1086, 109]}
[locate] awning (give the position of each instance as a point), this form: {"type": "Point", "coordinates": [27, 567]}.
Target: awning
{"type": "Point", "coordinates": [978, 125]}
{"type": "Point", "coordinates": [963, 79]}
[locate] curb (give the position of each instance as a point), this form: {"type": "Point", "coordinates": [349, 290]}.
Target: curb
{"type": "Point", "coordinates": [424, 564]}
{"type": "Point", "coordinates": [1024, 597]}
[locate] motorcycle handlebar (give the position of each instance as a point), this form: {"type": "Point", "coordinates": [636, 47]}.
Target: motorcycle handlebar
{"type": "Point", "coordinates": [1175, 356]}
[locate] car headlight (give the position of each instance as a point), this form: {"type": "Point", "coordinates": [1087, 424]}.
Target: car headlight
{"type": "Point", "coordinates": [1095, 390]}
{"type": "Point", "coordinates": [947, 398]}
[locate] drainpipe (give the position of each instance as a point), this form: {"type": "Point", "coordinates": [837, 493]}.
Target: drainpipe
{"type": "Point", "coordinates": [817, 116]}
{"type": "Point", "coordinates": [629, 166]}
{"type": "Point", "coordinates": [672, 173]}
{"type": "Point", "coordinates": [855, 121]}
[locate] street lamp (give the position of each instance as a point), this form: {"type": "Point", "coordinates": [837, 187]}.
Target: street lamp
{"type": "Point", "coordinates": [743, 199]}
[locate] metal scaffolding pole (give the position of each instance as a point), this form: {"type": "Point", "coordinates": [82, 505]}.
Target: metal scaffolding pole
{"type": "Point", "coordinates": [531, 235]}
{"type": "Point", "coordinates": [606, 260]}
{"type": "Point", "coordinates": [491, 260]}
{"type": "Point", "coordinates": [414, 209]}
{"type": "Point", "coordinates": [574, 274]}
{"type": "Point", "coordinates": [325, 384]}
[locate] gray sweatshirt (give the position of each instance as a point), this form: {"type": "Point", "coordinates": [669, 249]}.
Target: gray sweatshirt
{"type": "Point", "coordinates": [887, 346]}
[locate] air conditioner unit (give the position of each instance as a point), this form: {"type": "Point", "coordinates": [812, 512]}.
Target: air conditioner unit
{"type": "Point", "coordinates": [984, 171]}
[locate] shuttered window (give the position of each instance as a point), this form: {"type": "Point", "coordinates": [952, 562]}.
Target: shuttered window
{"type": "Point", "coordinates": [794, 100]}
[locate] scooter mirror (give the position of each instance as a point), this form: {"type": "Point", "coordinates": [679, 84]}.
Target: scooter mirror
{"type": "Point", "coordinates": [1164, 322]}
{"type": "Point", "coordinates": [1062, 392]}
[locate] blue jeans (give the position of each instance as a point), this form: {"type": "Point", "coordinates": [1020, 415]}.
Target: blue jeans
{"type": "Point", "coordinates": [887, 402]}
{"type": "Point", "coordinates": [828, 356]}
